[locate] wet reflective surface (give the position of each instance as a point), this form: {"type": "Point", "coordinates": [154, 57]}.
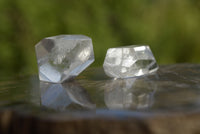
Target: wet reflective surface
{"type": "Point", "coordinates": [61, 96]}
{"type": "Point", "coordinates": [174, 88]}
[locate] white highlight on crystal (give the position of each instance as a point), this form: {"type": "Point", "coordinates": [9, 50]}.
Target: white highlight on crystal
{"type": "Point", "coordinates": [140, 48]}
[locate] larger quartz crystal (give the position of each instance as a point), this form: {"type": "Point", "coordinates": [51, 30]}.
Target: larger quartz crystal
{"type": "Point", "coordinates": [129, 61]}
{"type": "Point", "coordinates": [63, 57]}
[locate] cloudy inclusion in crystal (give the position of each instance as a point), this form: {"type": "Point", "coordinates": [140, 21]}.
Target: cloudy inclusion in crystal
{"type": "Point", "coordinates": [129, 61]}
{"type": "Point", "coordinates": [62, 57]}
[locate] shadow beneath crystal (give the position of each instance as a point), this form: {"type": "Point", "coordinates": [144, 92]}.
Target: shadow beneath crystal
{"type": "Point", "coordinates": [66, 96]}
{"type": "Point", "coordinates": [129, 94]}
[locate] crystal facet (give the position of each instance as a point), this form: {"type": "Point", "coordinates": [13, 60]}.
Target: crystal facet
{"type": "Point", "coordinates": [64, 56]}
{"type": "Point", "coordinates": [129, 61]}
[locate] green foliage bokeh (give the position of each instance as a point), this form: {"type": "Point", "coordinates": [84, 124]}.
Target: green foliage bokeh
{"type": "Point", "coordinates": [170, 27]}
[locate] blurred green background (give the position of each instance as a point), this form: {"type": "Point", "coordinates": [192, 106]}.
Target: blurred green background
{"type": "Point", "coordinates": [170, 27]}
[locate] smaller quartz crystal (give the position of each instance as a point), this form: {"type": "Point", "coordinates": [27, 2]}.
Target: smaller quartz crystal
{"type": "Point", "coordinates": [63, 57]}
{"type": "Point", "coordinates": [129, 61]}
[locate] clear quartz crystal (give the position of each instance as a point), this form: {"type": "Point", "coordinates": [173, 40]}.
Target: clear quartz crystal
{"type": "Point", "coordinates": [129, 61]}
{"type": "Point", "coordinates": [64, 56]}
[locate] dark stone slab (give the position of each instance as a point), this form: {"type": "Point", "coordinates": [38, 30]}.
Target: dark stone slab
{"type": "Point", "coordinates": [165, 102]}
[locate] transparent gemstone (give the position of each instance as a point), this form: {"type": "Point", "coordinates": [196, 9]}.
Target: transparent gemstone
{"type": "Point", "coordinates": [64, 56]}
{"type": "Point", "coordinates": [129, 61]}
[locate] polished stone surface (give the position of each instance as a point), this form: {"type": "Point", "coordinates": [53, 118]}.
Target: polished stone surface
{"type": "Point", "coordinates": [165, 102]}
{"type": "Point", "coordinates": [63, 57]}
{"type": "Point", "coordinates": [174, 88]}
{"type": "Point", "coordinates": [129, 61]}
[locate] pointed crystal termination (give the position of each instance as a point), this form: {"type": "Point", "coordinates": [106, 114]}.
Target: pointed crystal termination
{"type": "Point", "coordinates": [64, 56]}
{"type": "Point", "coordinates": [129, 61]}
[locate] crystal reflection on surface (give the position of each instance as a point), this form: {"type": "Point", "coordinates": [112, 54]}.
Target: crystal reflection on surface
{"type": "Point", "coordinates": [129, 93]}
{"type": "Point", "coordinates": [63, 96]}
